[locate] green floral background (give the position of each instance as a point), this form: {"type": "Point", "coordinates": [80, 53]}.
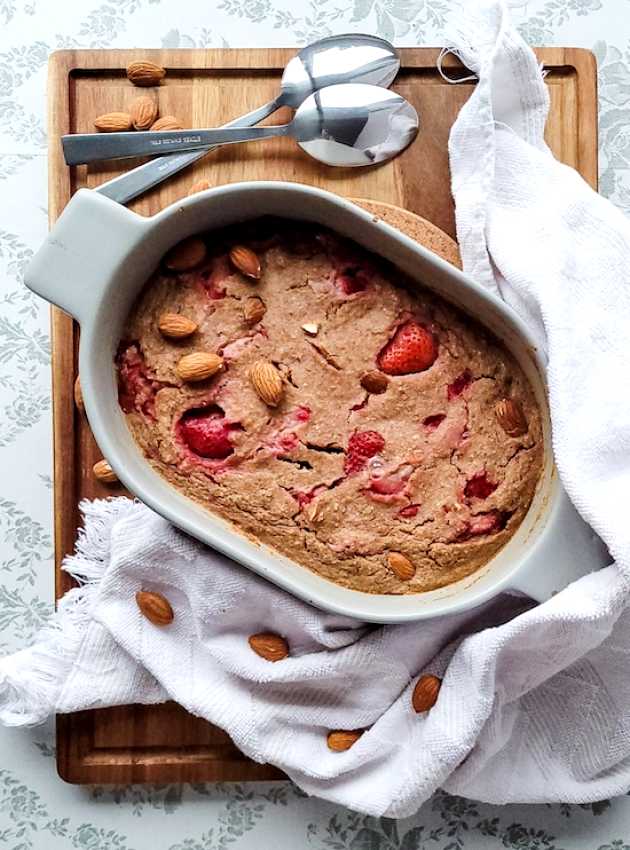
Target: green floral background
{"type": "Point", "coordinates": [36, 809]}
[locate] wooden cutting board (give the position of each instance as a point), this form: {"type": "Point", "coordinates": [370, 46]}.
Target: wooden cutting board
{"type": "Point", "coordinates": [208, 88]}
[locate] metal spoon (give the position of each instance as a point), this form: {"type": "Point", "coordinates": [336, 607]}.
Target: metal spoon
{"type": "Point", "coordinates": [350, 58]}
{"type": "Point", "coordinates": [349, 125]}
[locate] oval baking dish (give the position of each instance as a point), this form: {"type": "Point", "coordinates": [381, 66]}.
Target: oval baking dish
{"type": "Point", "coordinates": [98, 257]}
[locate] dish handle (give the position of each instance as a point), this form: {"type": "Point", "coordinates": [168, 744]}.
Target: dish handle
{"type": "Point", "coordinates": [92, 236]}
{"type": "Point", "coordinates": [566, 549]}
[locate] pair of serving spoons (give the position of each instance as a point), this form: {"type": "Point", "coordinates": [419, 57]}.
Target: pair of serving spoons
{"type": "Point", "coordinates": [345, 116]}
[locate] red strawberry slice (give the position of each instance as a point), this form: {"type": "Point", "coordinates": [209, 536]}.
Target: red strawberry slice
{"type": "Point", "coordinates": [362, 446]}
{"type": "Point", "coordinates": [479, 486]}
{"type": "Point", "coordinates": [413, 348]}
{"type": "Point", "coordinates": [207, 433]}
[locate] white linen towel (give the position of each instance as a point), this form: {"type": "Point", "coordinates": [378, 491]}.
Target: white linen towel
{"type": "Point", "coordinates": [535, 703]}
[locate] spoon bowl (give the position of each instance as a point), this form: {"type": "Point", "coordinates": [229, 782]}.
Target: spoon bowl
{"type": "Point", "coordinates": [351, 58]}
{"type": "Point", "coordinates": [354, 125]}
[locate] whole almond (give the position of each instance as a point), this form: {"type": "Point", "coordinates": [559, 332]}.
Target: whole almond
{"type": "Point", "coordinates": [269, 646]}
{"type": "Point", "coordinates": [401, 566]}
{"type": "Point", "coordinates": [246, 261]}
{"type": "Point", "coordinates": [425, 693]}
{"type": "Point", "coordinates": [78, 395]}
{"type": "Point", "coordinates": [253, 310]}
{"type": "Point", "coordinates": [374, 382]}
{"type": "Point", "coordinates": [199, 186]}
{"type": "Point", "coordinates": [144, 111]}
{"type": "Point", "coordinates": [113, 122]}
{"type": "Point", "coordinates": [155, 607]}
{"type": "Point", "coordinates": [199, 366]}
{"type": "Point", "coordinates": [167, 122]}
{"type": "Point", "coordinates": [176, 326]}
{"type": "Point", "coordinates": [341, 740]}
{"type": "Point", "coordinates": [145, 73]}
{"type": "Point", "coordinates": [104, 473]}
{"type": "Point", "coordinates": [186, 255]}
{"type": "Point", "coordinates": [510, 416]}
{"type": "Point", "coordinates": [267, 381]}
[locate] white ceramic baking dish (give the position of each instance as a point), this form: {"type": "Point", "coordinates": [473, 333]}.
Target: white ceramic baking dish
{"type": "Point", "coordinates": [97, 258]}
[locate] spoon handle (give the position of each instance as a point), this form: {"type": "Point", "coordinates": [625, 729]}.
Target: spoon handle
{"type": "Point", "coordinates": [82, 148]}
{"type": "Point", "coordinates": [132, 183]}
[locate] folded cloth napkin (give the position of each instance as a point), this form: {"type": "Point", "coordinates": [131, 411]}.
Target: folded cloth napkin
{"type": "Point", "coordinates": [535, 701]}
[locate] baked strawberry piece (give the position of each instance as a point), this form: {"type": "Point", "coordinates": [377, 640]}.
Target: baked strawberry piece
{"type": "Point", "coordinates": [362, 446]}
{"type": "Point", "coordinates": [457, 387]}
{"type": "Point", "coordinates": [207, 433]}
{"type": "Point", "coordinates": [479, 486]}
{"type": "Point", "coordinates": [352, 279]}
{"type": "Point", "coordinates": [413, 348]}
{"type": "Point", "coordinates": [483, 524]}
{"type": "Point", "coordinates": [137, 388]}
{"type": "Point", "coordinates": [434, 421]}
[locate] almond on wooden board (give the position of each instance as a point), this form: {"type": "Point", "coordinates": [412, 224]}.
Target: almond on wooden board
{"type": "Point", "coordinates": [155, 607]}
{"type": "Point", "coordinates": [176, 326]}
{"type": "Point", "coordinates": [144, 112]}
{"type": "Point", "coordinates": [253, 310]}
{"type": "Point", "coordinates": [113, 122]}
{"type": "Point", "coordinates": [267, 382]}
{"type": "Point", "coordinates": [401, 565]}
{"type": "Point", "coordinates": [269, 646]}
{"type": "Point", "coordinates": [510, 417]}
{"type": "Point", "coordinates": [143, 73]}
{"type": "Point", "coordinates": [425, 693]}
{"type": "Point", "coordinates": [374, 382]}
{"type": "Point", "coordinates": [186, 254]}
{"type": "Point", "coordinates": [104, 473]}
{"type": "Point", "coordinates": [167, 122]}
{"type": "Point", "coordinates": [245, 261]}
{"type": "Point", "coordinates": [199, 186]}
{"type": "Point", "coordinates": [341, 740]}
{"type": "Point", "coordinates": [198, 366]}
{"type": "Point", "coordinates": [78, 395]}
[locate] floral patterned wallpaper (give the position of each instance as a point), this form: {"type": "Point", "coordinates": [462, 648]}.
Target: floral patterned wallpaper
{"type": "Point", "coordinates": [37, 810]}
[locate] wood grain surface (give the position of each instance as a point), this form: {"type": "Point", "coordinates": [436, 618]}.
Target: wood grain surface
{"type": "Point", "coordinates": [207, 88]}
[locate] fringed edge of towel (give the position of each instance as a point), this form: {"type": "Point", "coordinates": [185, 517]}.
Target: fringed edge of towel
{"type": "Point", "coordinates": [32, 679]}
